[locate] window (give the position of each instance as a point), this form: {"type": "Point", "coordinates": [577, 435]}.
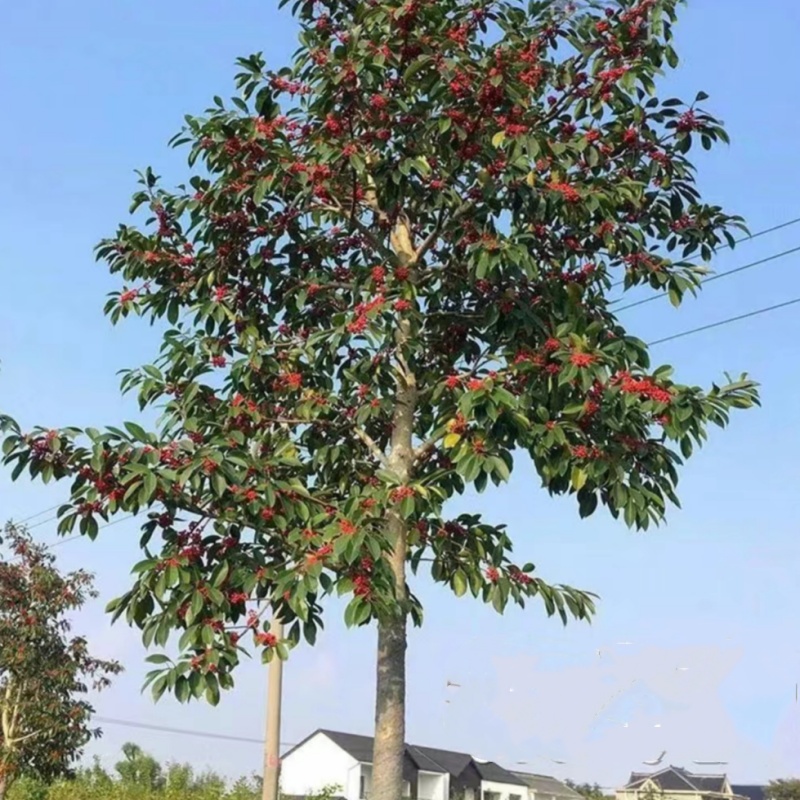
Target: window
{"type": "Point", "coordinates": [491, 796]}
{"type": "Point", "coordinates": [362, 789]}
{"type": "Point", "coordinates": [515, 797]}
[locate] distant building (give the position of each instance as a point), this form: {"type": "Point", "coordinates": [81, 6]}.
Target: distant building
{"type": "Point", "coordinates": [331, 758]}
{"type": "Point", "coordinates": [545, 787]}
{"type": "Point", "coordinates": [676, 783]}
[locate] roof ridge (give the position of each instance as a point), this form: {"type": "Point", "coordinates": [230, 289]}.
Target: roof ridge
{"type": "Point", "coordinates": [406, 744]}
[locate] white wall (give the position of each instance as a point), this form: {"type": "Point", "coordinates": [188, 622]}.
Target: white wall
{"type": "Point", "coordinates": [366, 771]}
{"type": "Point", "coordinates": [432, 786]}
{"type": "Point", "coordinates": [316, 764]}
{"type": "Point", "coordinates": [505, 790]}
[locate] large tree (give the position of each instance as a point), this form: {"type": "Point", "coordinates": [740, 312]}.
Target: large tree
{"type": "Point", "coordinates": [388, 278]}
{"type": "Point", "coordinates": [45, 672]}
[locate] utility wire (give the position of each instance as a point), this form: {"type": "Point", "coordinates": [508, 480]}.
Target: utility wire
{"type": "Point", "coordinates": [127, 723]}
{"type": "Point", "coordinates": [712, 278]}
{"type": "Point", "coordinates": [43, 522]}
{"type": "Point", "coordinates": [80, 535]}
{"type": "Point", "coordinates": [669, 338]}
{"type": "Point", "coordinates": [763, 233]}
{"type": "Point", "coordinates": [725, 322]}
{"type": "Point", "coordinates": [39, 514]}
{"type": "Point", "coordinates": [740, 241]}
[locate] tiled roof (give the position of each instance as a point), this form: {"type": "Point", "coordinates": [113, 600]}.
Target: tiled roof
{"type": "Point", "coordinates": [677, 779]}
{"type": "Point", "coordinates": [750, 791]}
{"type": "Point", "coordinates": [359, 747]}
{"type": "Point", "coordinates": [433, 759]}
{"type": "Point", "coordinates": [546, 784]}
{"type": "Point", "coordinates": [489, 771]}
{"type": "Point", "coordinates": [428, 759]}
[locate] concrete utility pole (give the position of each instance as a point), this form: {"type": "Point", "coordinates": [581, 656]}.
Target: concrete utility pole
{"type": "Point", "coordinates": [272, 748]}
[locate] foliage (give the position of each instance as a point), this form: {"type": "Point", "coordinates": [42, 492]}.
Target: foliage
{"type": "Point", "coordinates": [45, 672]}
{"type": "Point", "coordinates": [139, 769]}
{"type": "Point", "coordinates": [783, 789]}
{"type": "Point", "coordinates": [141, 777]}
{"type": "Point", "coordinates": [383, 292]}
{"type": "Point", "coordinates": [591, 791]}
{"type": "Point", "coordinates": [388, 277]}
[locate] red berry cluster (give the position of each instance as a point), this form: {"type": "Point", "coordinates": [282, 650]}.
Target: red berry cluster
{"type": "Point", "coordinates": [589, 453]}
{"type": "Point", "coordinates": [581, 360]}
{"type": "Point", "coordinates": [644, 387]}
{"type": "Point", "coordinates": [400, 493]}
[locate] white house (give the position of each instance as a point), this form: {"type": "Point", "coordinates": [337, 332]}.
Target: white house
{"type": "Point", "coordinates": [344, 760]}
{"type": "Point", "coordinates": [677, 783]}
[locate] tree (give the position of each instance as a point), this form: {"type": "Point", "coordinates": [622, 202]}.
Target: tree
{"type": "Point", "coordinates": [389, 275]}
{"type": "Point", "coordinates": [137, 768]}
{"type": "Point", "coordinates": [44, 671]}
{"type": "Point", "coordinates": [783, 789]}
{"type": "Point", "coordinates": [591, 791]}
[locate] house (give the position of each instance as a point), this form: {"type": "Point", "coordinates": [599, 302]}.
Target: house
{"type": "Point", "coordinates": [676, 783]}
{"type": "Point", "coordinates": [545, 787]}
{"type": "Point", "coordinates": [344, 760]}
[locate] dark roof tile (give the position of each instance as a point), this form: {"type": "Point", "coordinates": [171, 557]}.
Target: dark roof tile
{"type": "Point", "coordinates": [750, 791]}
{"type": "Point", "coordinates": [548, 785]}
{"type": "Point", "coordinates": [433, 759]}
{"type": "Point", "coordinates": [429, 759]}
{"type": "Point", "coordinates": [359, 747]}
{"type": "Point", "coordinates": [489, 771]}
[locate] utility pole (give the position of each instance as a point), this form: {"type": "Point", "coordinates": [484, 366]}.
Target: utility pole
{"type": "Point", "coordinates": [272, 749]}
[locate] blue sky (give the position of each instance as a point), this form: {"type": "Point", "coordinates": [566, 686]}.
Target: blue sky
{"type": "Point", "coordinates": [94, 90]}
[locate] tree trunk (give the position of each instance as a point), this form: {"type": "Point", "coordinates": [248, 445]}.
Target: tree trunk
{"type": "Point", "coordinates": [390, 699]}
{"type": "Point", "coordinates": [3, 787]}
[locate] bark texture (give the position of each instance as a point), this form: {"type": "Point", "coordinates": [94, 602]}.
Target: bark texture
{"type": "Point", "coordinates": [390, 706]}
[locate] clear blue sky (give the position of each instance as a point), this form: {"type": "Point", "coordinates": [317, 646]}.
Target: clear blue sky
{"type": "Point", "coordinates": [94, 89]}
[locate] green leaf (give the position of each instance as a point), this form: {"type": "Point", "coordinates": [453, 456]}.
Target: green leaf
{"type": "Point", "coordinates": [159, 687]}
{"type": "Point", "coordinates": [459, 583]}
{"type": "Point", "coordinates": [158, 658]}
{"type": "Point", "coordinates": [501, 468]}
{"type": "Point", "coordinates": [212, 689]}
{"type": "Point", "coordinates": [137, 431]}
{"type": "Point", "coordinates": [150, 485]}
{"type": "Point", "coordinates": [578, 478]}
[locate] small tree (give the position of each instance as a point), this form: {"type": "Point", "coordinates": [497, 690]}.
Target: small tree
{"type": "Point", "coordinates": [591, 791]}
{"type": "Point", "coordinates": [380, 293]}
{"type": "Point", "coordinates": [783, 789]}
{"type": "Point", "coordinates": [137, 768]}
{"type": "Point", "coordinates": [44, 672]}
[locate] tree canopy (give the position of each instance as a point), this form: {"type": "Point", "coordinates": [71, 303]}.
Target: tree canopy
{"type": "Point", "coordinates": [783, 789]}
{"type": "Point", "coordinates": [390, 274]}
{"type": "Point", "coordinates": [45, 673]}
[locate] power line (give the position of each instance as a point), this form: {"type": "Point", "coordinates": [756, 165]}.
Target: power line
{"type": "Point", "coordinates": [670, 338]}
{"type": "Point", "coordinates": [744, 239]}
{"type": "Point", "coordinates": [39, 514]}
{"type": "Point", "coordinates": [725, 322]}
{"type": "Point", "coordinates": [43, 522]}
{"type": "Point", "coordinates": [127, 723]}
{"type": "Point", "coordinates": [712, 278]}
{"type": "Point", "coordinates": [763, 233]}
{"type": "Point", "coordinates": [81, 536]}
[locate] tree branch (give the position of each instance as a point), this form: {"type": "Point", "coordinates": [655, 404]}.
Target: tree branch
{"type": "Point", "coordinates": [434, 234]}
{"type": "Point", "coordinates": [364, 229]}
{"type": "Point", "coordinates": [371, 444]}
{"type": "Point", "coordinates": [426, 448]}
